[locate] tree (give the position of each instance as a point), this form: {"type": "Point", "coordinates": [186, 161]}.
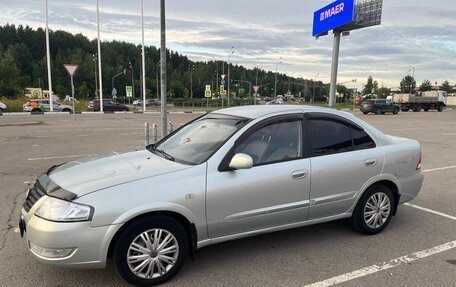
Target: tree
{"type": "Point", "coordinates": [408, 84]}
{"type": "Point", "coordinates": [446, 87]}
{"type": "Point", "coordinates": [383, 92]}
{"type": "Point", "coordinates": [371, 86]}
{"type": "Point", "coordinates": [9, 76]}
{"type": "Point", "coordinates": [426, 86]}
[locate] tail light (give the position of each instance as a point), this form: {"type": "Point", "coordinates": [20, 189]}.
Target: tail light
{"type": "Point", "coordinates": [418, 166]}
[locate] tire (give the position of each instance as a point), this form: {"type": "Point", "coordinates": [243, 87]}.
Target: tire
{"type": "Point", "coordinates": [66, 111]}
{"type": "Point", "coordinates": [395, 111]}
{"type": "Point", "coordinates": [378, 112]}
{"type": "Point", "coordinates": [36, 111]}
{"type": "Point", "coordinates": [381, 214]}
{"type": "Point", "coordinates": [426, 109]}
{"type": "Point", "coordinates": [167, 229]}
{"type": "Point", "coordinates": [417, 108]}
{"type": "Point", "coordinates": [365, 113]}
{"type": "Point", "coordinates": [405, 110]}
{"type": "Point", "coordinates": [440, 108]}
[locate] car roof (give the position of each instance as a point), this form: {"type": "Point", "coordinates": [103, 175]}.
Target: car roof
{"type": "Point", "coordinates": [257, 111]}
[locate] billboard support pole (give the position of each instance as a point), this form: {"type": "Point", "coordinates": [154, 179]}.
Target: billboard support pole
{"type": "Point", "coordinates": [334, 66]}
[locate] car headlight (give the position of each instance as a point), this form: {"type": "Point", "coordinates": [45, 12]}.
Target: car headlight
{"type": "Point", "coordinates": [54, 209]}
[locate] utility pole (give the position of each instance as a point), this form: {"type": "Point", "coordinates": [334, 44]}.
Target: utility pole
{"type": "Point", "coordinates": [231, 53]}
{"type": "Point", "coordinates": [143, 53]}
{"type": "Point", "coordinates": [99, 59]}
{"type": "Point", "coordinates": [275, 82]}
{"type": "Point", "coordinates": [48, 57]}
{"type": "Point", "coordinates": [96, 81]}
{"type": "Point", "coordinates": [164, 116]}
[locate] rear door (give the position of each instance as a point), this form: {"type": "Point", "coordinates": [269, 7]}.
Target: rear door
{"type": "Point", "coordinates": [343, 158]}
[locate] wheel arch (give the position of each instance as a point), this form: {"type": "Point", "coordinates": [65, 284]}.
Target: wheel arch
{"type": "Point", "coordinates": [188, 226]}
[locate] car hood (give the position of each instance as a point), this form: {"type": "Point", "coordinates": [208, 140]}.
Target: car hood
{"type": "Point", "coordinates": [99, 172]}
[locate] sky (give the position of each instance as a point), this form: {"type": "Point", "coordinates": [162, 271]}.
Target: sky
{"type": "Point", "coordinates": [416, 37]}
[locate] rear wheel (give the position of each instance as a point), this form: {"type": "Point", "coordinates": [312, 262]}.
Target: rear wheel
{"type": "Point", "coordinates": [416, 108]}
{"type": "Point", "coordinates": [440, 108]}
{"type": "Point", "coordinates": [396, 111]}
{"type": "Point", "coordinates": [378, 112]}
{"type": "Point", "coordinates": [374, 210]}
{"type": "Point", "coordinates": [365, 113]}
{"type": "Point", "coordinates": [36, 111]}
{"type": "Point", "coordinates": [405, 110]}
{"type": "Point", "coordinates": [151, 250]}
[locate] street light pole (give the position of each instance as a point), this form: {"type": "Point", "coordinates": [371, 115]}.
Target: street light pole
{"type": "Point", "coordinates": [413, 77]}
{"type": "Point", "coordinates": [48, 57]}
{"type": "Point", "coordinates": [132, 80]}
{"type": "Point", "coordinates": [229, 57]}
{"type": "Point", "coordinates": [143, 58]}
{"type": "Point", "coordinates": [191, 67]}
{"type": "Point", "coordinates": [99, 59]}
{"type": "Point", "coordinates": [275, 82]}
{"type": "Point", "coordinates": [96, 81]}
{"type": "Point", "coordinates": [313, 93]}
{"type": "Point", "coordinates": [164, 116]}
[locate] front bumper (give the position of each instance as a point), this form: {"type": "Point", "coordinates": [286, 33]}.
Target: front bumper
{"type": "Point", "coordinates": [89, 245]}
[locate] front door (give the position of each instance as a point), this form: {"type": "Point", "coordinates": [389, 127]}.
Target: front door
{"type": "Point", "coordinates": [274, 192]}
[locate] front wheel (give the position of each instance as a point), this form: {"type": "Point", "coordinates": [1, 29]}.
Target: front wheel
{"type": "Point", "coordinates": [374, 210]}
{"type": "Point", "coordinates": [396, 111]}
{"type": "Point", "coordinates": [151, 250]}
{"type": "Point", "coordinates": [378, 111]}
{"type": "Point", "coordinates": [440, 108]}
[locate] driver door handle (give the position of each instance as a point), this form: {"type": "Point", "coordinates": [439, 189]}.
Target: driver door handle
{"type": "Point", "coordinates": [298, 174]}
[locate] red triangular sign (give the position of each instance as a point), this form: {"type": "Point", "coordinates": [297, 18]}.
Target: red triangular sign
{"type": "Point", "coordinates": [71, 69]}
{"type": "Point", "coordinates": [256, 88]}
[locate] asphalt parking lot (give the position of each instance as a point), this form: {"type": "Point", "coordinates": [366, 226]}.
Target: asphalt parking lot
{"type": "Point", "coordinates": [418, 248]}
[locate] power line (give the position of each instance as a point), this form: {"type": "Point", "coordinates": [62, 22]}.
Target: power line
{"type": "Point", "coordinates": [416, 45]}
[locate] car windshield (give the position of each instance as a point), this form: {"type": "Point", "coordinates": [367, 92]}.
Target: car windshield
{"type": "Point", "coordinates": [195, 142]}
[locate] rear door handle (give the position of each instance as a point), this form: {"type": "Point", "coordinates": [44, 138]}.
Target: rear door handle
{"type": "Point", "coordinates": [370, 162]}
{"type": "Point", "coordinates": [299, 174]}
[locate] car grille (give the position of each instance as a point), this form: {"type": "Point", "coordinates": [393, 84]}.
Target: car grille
{"type": "Point", "coordinates": [35, 193]}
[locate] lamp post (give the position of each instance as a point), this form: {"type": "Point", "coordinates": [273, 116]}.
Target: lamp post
{"type": "Point", "coordinates": [313, 93]}
{"type": "Point", "coordinates": [229, 57]}
{"type": "Point", "coordinates": [413, 77]}
{"type": "Point", "coordinates": [116, 75]}
{"type": "Point", "coordinates": [191, 68]}
{"type": "Point", "coordinates": [48, 57]}
{"type": "Point", "coordinates": [132, 80]}
{"type": "Point", "coordinates": [158, 81]}
{"type": "Point", "coordinates": [99, 59]}
{"type": "Point", "coordinates": [94, 58]}
{"type": "Point", "coordinates": [275, 82]}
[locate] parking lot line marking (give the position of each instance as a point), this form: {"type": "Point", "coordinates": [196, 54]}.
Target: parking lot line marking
{"type": "Point", "coordinates": [384, 266]}
{"type": "Point", "coordinates": [449, 134]}
{"type": "Point", "coordinates": [431, 211]}
{"type": "Point", "coordinates": [57, 157]}
{"type": "Point", "coordinates": [440, 168]}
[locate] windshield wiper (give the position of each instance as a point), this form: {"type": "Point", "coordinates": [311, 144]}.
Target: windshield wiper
{"type": "Point", "coordinates": [165, 154]}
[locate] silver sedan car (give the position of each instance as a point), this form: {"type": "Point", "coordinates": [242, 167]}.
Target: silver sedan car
{"type": "Point", "coordinates": [229, 174]}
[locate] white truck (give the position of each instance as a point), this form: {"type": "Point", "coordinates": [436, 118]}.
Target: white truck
{"type": "Point", "coordinates": [432, 100]}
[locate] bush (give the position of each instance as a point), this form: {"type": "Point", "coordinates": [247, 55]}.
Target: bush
{"type": "Point", "coordinates": [14, 105]}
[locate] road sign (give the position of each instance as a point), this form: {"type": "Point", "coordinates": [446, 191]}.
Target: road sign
{"type": "Point", "coordinates": [207, 93]}
{"type": "Point", "coordinates": [71, 69]}
{"type": "Point", "coordinates": [223, 77]}
{"type": "Point", "coordinates": [223, 82]}
{"type": "Point", "coordinates": [129, 91]}
{"type": "Point", "coordinates": [222, 87]}
{"type": "Point", "coordinates": [114, 92]}
{"type": "Point", "coordinates": [208, 88]}
{"type": "Point", "coordinates": [256, 88]}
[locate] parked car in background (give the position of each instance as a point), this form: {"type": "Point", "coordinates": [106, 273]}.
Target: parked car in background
{"type": "Point", "coordinates": [149, 103]}
{"type": "Point", "coordinates": [43, 105]}
{"type": "Point", "coordinates": [210, 181]}
{"type": "Point", "coordinates": [108, 106]}
{"type": "Point", "coordinates": [3, 108]}
{"type": "Point", "coordinates": [379, 107]}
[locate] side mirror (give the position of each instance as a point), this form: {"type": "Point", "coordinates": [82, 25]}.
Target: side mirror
{"type": "Point", "coordinates": [241, 161]}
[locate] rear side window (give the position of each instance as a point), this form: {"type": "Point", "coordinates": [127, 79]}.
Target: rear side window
{"type": "Point", "coordinates": [361, 140]}
{"type": "Point", "coordinates": [329, 136]}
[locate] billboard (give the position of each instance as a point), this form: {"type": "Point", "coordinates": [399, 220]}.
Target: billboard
{"type": "Point", "coordinates": [336, 14]}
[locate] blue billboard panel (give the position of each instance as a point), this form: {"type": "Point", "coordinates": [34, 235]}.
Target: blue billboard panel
{"type": "Point", "coordinates": [334, 15]}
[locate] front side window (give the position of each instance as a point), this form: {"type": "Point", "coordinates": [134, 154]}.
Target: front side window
{"type": "Point", "coordinates": [197, 141]}
{"type": "Point", "coordinates": [278, 141]}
